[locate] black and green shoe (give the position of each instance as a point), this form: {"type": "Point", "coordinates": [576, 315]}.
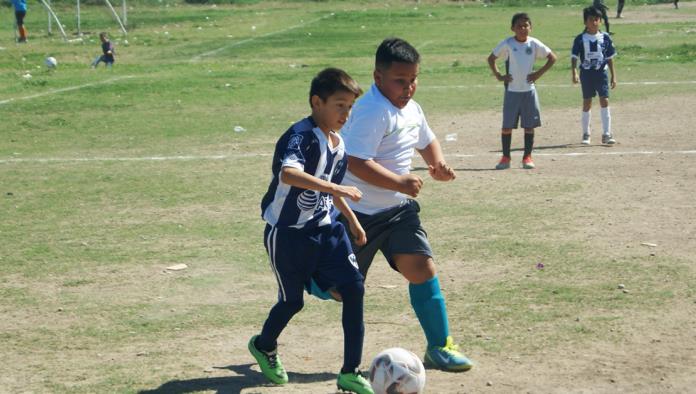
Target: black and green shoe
{"type": "Point", "coordinates": [269, 362]}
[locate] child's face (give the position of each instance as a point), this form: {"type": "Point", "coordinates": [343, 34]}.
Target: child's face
{"type": "Point", "coordinates": [592, 24]}
{"type": "Point", "coordinates": [104, 38]}
{"type": "Point", "coordinates": [521, 28]}
{"type": "Point", "coordinates": [398, 83]}
{"type": "Point", "coordinates": [332, 113]}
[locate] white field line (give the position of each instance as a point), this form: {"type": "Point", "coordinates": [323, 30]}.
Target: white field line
{"type": "Point", "coordinates": [566, 85]}
{"type": "Point", "coordinates": [242, 42]}
{"type": "Point", "coordinates": [68, 89]}
{"type": "Point", "coordinates": [246, 155]}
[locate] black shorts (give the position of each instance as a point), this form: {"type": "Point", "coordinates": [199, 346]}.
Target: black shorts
{"type": "Point", "coordinates": [395, 231]}
{"type": "Point", "coordinates": [19, 16]}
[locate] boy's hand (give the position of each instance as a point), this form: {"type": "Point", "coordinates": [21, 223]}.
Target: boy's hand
{"type": "Point", "coordinates": [531, 78]}
{"type": "Point", "coordinates": [613, 82]}
{"type": "Point", "coordinates": [359, 234]}
{"type": "Point", "coordinates": [410, 184]}
{"type": "Point", "coordinates": [575, 78]}
{"type": "Point", "coordinates": [503, 78]}
{"type": "Point", "coordinates": [442, 172]}
{"type": "Point", "coordinates": [351, 192]}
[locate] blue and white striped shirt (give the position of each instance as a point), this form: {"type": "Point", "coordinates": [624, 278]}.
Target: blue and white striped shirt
{"type": "Point", "coordinates": [303, 146]}
{"type": "Point", "coordinates": [593, 50]}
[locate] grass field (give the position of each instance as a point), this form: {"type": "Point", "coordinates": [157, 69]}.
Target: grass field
{"type": "Point", "coordinates": [107, 177]}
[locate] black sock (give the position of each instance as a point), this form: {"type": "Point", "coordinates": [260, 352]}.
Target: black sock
{"type": "Point", "coordinates": [528, 143]}
{"type": "Point", "coordinates": [353, 326]}
{"type": "Point", "coordinates": [506, 140]}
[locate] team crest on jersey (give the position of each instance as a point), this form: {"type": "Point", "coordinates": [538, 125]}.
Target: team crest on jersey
{"type": "Point", "coordinates": [353, 261]}
{"type": "Point", "coordinates": [338, 168]}
{"type": "Point", "coordinates": [294, 142]}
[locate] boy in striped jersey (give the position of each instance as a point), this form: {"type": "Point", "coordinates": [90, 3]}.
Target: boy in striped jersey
{"type": "Point", "coordinates": [302, 237]}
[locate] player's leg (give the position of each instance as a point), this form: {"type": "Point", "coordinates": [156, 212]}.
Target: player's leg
{"type": "Point", "coordinates": [292, 256]}
{"type": "Point", "coordinates": [603, 93]}
{"type": "Point", "coordinates": [511, 115]}
{"type": "Point", "coordinates": [409, 252]}
{"type": "Point", "coordinates": [21, 29]}
{"type": "Point", "coordinates": [530, 116]}
{"type": "Point", "coordinates": [588, 92]}
{"type": "Point", "coordinates": [338, 268]}
{"type": "Point", "coordinates": [619, 8]}
{"type": "Point", "coordinates": [606, 19]}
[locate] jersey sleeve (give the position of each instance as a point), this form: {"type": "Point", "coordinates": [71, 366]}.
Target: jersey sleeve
{"type": "Point", "coordinates": [364, 131]}
{"type": "Point", "coordinates": [577, 47]}
{"type": "Point", "coordinates": [609, 51]}
{"type": "Point", "coordinates": [542, 50]}
{"type": "Point", "coordinates": [425, 134]}
{"type": "Point", "coordinates": [293, 153]}
{"type": "Point", "coordinates": [501, 50]}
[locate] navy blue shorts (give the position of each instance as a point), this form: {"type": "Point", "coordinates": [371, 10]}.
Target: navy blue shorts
{"type": "Point", "coordinates": [594, 82]}
{"type": "Point", "coordinates": [298, 255]}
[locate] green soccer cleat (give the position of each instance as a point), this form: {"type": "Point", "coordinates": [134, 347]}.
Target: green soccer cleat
{"type": "Point", "coordinates": [353, 382]}
{"type": "Point", "coordinates": [269, 362]}
{"type": "Point", "coordinates": [447, 358]}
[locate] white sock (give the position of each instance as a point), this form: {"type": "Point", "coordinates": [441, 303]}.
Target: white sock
{"type": "Point", "coordinates": [606, 120]}
{"type": "Point", "coordinates": [586, 122]}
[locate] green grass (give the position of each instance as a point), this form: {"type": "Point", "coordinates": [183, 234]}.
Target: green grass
{"type": "Point", "coordinates": [85, 244]}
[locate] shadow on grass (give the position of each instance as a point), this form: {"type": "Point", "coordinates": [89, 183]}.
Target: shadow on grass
{"type": "Point", "coordinates": [246, 378]}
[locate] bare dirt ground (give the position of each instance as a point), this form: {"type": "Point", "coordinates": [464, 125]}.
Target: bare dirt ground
{"type": "Point", "coordinates": [643, 191]}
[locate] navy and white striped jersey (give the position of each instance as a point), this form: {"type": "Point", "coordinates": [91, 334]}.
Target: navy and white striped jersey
{"type": "Point", "coordinates": [303, 146]}
{"type": "Point", "coordinates": [593, 50]}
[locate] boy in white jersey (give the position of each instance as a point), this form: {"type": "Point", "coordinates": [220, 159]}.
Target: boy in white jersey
{"type": "Point", "coordinates": [384, 129]}
{"type": "Point", "coordinates": [596, 52]}
{"type": "Point", "coordinates": [520, 103]}
{"type": "Point", "coordinates": [302, 238]}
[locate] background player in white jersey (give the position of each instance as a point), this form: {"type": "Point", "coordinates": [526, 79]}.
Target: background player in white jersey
{"type": "Point", "coordinates": [302, 239]}
{"type": "Point", "coordinates": [596, 52]}
{"type": "Point", "coordinates": [381, 134]}
{"type": "Point", "coordinates": [520, 103]}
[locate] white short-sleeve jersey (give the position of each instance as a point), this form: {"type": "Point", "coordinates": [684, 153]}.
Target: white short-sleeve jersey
{"type": "Point", "coordinates": [519, 60]}
{"type": "Point", "coordinates": [377, 130]}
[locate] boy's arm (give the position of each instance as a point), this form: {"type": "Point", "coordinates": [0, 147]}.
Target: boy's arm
{"type": "Point", "coordinates": [295, 177]}
{"type": "Point", "coordinates": [574, 69]}
{"type": "Point", "coordinates": [355, 227]}
{"type": "Point", "coordinates": [494, 67]}
{"type": "Point", "coordinates": [437, 166]}
{"type": "Point", "coordinates": [610, 62]}
{"type": "Point", "coordinates": [550, 60]}
{"type": "Point", "coordinates": [375, 174]}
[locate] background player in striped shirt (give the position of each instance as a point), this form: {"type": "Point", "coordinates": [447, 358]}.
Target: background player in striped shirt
{"type": "Point", "coordinates": [302, 237]}
{"type": "Point", "coordinates": [596, 52]}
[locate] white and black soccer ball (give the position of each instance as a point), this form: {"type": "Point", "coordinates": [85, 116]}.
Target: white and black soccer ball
{"type": "Point", "coordinates": [51, 62]}
{"type": "Point", "coordinates": [397, 371]}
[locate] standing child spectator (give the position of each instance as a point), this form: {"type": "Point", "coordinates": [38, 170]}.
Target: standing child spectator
{"type": "Point", "coordinates": [619, 8]}
{"type": "Point", "coordinates": [382, 135]}
{"type": "Point", "coordinates": [107, 55]}
{"type": "Point", "coordinates": [596, 52]}
{"type": "Point", "coordinates": [520, 103]}
{"type": "Point", "coordinates": [599, 5]}
{"type": "Point", "coordinates": [20, 7]}
{"type": "Point", "coordinates": [302, 238]}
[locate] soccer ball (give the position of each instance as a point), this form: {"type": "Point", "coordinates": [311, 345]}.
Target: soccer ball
{"type": "Point", "coordinates": [397, 371]}
{"type": "Point", "coordinates": [51, 62]}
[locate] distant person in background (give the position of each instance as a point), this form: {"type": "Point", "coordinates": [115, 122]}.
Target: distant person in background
{"type": "Point", "coordinates": [619, 8]}
{"type": "Point", "coordinates": [108, 52]}
{"type": "Point", "coordinates": [599, 5]}
{"type": "Point", "coordinates": [20, 7]}
{"type": "Point", "coordinates": [676, 4]}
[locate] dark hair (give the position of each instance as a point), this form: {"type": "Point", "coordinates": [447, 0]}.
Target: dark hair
{"type": "Point", "coordinates": [331, 80]}
{"type": "Point", "coordinates": [395, 50]}
{"type": "Point", "coordinates": [103, 34]}
{"type": "Point", "coordinates": [591, 12]}
{"type": "Point", "coordinates": [521, 16]}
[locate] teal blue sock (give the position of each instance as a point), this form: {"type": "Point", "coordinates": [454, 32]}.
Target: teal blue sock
{"type": "Point", "coordinates": [429, 305]}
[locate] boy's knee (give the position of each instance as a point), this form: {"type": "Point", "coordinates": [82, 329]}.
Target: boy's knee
{"type": "Point", "coordinates": [294, 306]}
{"type": "Point", "coordinates": [351, 290]}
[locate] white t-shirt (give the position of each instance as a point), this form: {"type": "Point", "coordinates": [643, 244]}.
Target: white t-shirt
{"type": "Point", "coordinates": [377, 130]}
{"type": "Point", "coordinates": [519, 60]}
